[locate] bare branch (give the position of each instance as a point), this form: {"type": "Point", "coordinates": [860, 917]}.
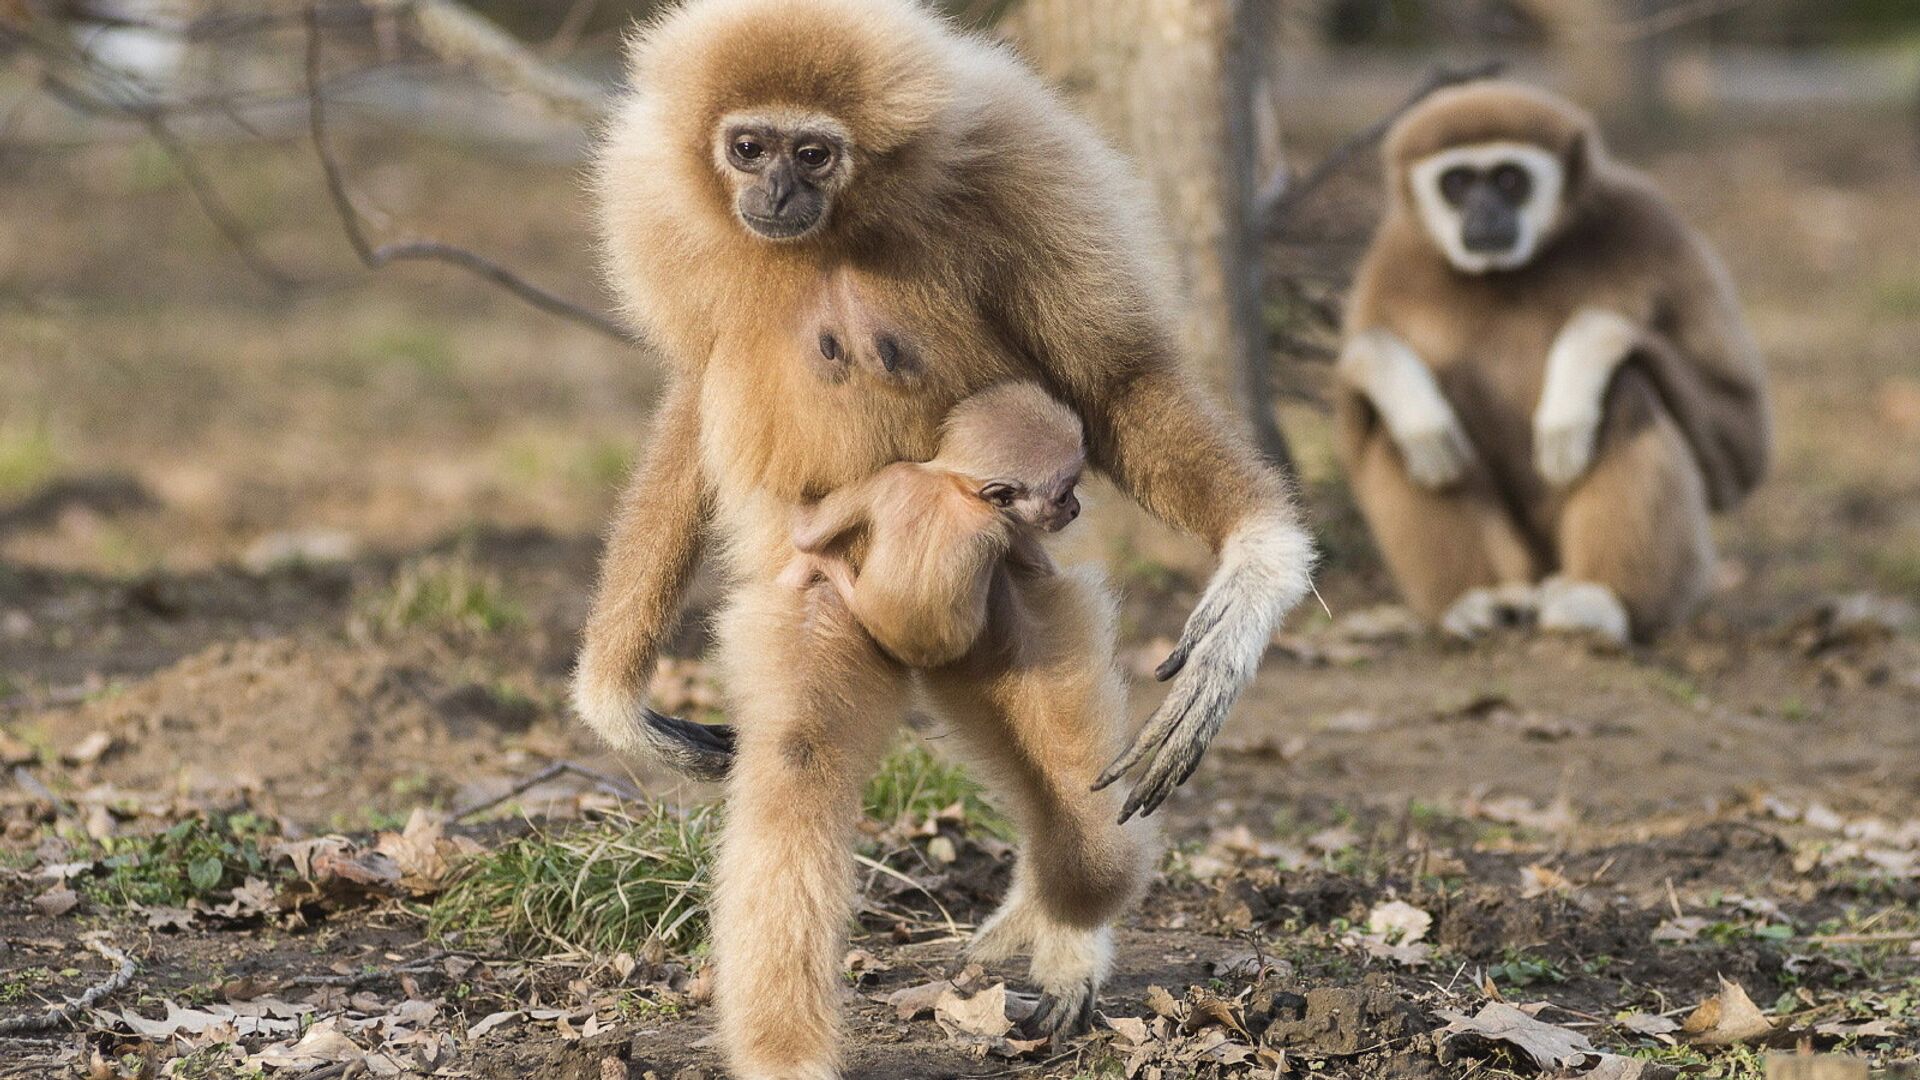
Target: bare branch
{"type": "Point", "coordinates": [1629, 31]}
{"type": "Point", "coordinates": [377, 256]}
{"type": "Point", "coordinates": [459, 36]}
{"type": "Point", "coordinates": [116, 97]}
{"type": "Point", "coordinates": [64, 1014]}
{"type": "Point", "coordinates": [1283, 195]}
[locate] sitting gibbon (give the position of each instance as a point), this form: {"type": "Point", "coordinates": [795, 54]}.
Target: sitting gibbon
{"type": "Point", "coordinates": [1547, 384]}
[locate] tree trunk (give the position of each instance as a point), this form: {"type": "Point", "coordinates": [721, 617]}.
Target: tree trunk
{"type": "Point", "coordinates": [1172, 83]}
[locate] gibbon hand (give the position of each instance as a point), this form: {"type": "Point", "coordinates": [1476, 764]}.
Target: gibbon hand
{"type": "Point", "coordinates": [1580, 365]}
{"type": "Point", "coordinates": [1263, 573]}
{"type": "Point", "coordinates": [1402, 387]}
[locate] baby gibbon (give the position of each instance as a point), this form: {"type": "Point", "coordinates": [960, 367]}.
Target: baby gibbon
{"type": "Point", "coordinates": [1009, 460]}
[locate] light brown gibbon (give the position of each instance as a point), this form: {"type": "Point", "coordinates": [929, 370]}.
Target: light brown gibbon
{"type": "Point", "coordinates": [1547, 383]}
{"type": "Point", "coordinates": [930, 536]}
{"type": "Point", "coordinates": [771, 152]}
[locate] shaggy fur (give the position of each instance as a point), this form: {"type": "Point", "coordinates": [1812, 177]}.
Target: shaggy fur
{"type": "Point", "coordinates": [912, 549]}
{"type": "Point", "coordinates": [1579, 415]}
{"type": "Point", "coordinates": [976, 220]}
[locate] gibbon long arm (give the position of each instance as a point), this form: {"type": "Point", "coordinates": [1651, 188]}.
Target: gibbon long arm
{"type": "Point", "coordinates": [1709, 372]}
{"type": "Point", "coordinates": [1164, 445]}
{"type": "Point", "coordinates": [649, 563]}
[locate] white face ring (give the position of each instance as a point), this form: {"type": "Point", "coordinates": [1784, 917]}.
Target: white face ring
{"type": "Point", "coordinates": [1537, 214]}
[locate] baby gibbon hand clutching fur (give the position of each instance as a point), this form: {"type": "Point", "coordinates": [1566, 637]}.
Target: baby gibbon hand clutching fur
{"type": "Point", "coordinates": [773, 156]}
{"type": "Point", "coordinates": [1547, 382]}
{"type": "Point", "coordinates": [935, 533]}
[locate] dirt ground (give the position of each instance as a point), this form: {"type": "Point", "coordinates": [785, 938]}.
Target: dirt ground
{"type": "Point", "coordinates": [322, 557]}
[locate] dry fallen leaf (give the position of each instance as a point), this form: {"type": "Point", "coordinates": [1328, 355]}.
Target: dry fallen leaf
{"type": "Point", "coordinates": [984, 1013]}
{"type": "Point", "coordinates": [914, 1002]}
{"type": "Point", "coordinates": [1539, 880]}
{"type": "Point", "coordinates": [1548, 1046]}
{"type": "Point", "coordinates": [494, 1020]}
{"type": "Point", "coordinates": [1726, 1018]}
{"type": "Point", "coordinates": [1651, 1024]}
{"type": "Point", "coordinates": [56, 901]}
{"type": "Point", "coordinates": [1621, 1067]}
{"type": "Point", "coordinates": [1682, 928]}
{"type": "Point", "coordinates": [1399, 922]}
{"type": "Point", "coordinates": [323, 1044]}
{"type": "Point", "coordinates": [1131, 1028]}
{"type": "Point", "coordinates": [88, 750]}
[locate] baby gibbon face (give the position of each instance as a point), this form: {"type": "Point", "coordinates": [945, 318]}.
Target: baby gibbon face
{"type": "Point", "coordinates": [1488, 206]}
{"type": "Point", "coordinates": [1048, 506]}
{"type": "Point", "coordinates": [785, 167]}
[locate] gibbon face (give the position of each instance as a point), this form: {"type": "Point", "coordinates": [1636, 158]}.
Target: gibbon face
{"type": "Point", "coordinates": [784, 168]}
{"type": "Point", "coordinates": [1024, 449]}
{"type": "Point", "coordinates": [1048, 505]}
{"type": "Point", "coordinates": [1488, 206]}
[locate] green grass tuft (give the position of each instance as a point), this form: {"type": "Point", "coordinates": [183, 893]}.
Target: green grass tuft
{"type": "Point", "coordinates": [615, 884]}
{"type": "Point", "coordinates": [606, 887]}
{"type": "Point", "coordinates": [914, 784]}
{"type": "Point", "coordinates": [448, 594]}
{"type": "Point", "coordinates": [28, 457]}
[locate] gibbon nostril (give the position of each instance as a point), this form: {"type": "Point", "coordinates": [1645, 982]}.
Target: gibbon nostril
{"type": "Point", "coordinates": [889, 351]}
{"type": "Point", "coordinates": [829, 346]}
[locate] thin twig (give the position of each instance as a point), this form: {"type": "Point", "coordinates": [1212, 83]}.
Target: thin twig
{"type": "Point", "coordinates": [872, 864]}
{"type": "Point", "coordinates": [1660, 22]}
{"type": "Point", "coordinates": [61, 1015]}
{"type": "Point", "coordinates": [376, 257]}
{"type": "Point", "coordinates": [1283, 195]}
{"type": "Point", "coordinates": [609, 784]}
{"type": "Point", "coordinates": [117, 98]}
{"type": "Point", "coordinates": [1862, 939]}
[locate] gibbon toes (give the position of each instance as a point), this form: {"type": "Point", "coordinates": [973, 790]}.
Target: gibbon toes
{"type": "Point", "coordinates": [1481, 611]}
{"type": "Point", "coordinates": [1062, 1015]}
{"type": "Point", "coordinates": [1582, 607]}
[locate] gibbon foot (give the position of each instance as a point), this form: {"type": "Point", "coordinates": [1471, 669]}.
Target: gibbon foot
{"type": "Point", "coordinates": [1582, 607]}
{"type": "Point", "coordinates": [1062, 1015]}
{"type": "Point", "coordinates": [1481, 611]}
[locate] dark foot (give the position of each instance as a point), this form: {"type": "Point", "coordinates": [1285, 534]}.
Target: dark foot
{"type": "Point", "coordinates": [1061, 1016]}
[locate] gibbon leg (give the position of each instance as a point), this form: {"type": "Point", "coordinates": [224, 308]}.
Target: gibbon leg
{"type": "Point", "coordinates": [814, 705]}
{"type": "Point", "coordinates": [1635, 526]}
{"type": "Point", "coordinates": [1040, 709]}
{"type": "Point", "coordinates": [1458, 557]}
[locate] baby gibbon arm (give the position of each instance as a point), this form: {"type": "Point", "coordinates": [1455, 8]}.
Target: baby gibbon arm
{"type": "Point", "coordinates": [1580, 366]}
{"type": "Point", "coordinates": [816, 527]}
{"type": "Point", "coordinates": [1402, 389]}
{"type": "Point", "coordinates": [1164, 444]}
{"type": "Point", "coordinates": [649, 563]}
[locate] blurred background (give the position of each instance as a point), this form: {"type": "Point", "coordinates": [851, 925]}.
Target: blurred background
{"type": "Point", "coordinates": [310, 418]}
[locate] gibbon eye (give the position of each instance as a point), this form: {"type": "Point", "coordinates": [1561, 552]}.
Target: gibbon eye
{"type": "Point", "coordinates": [1455, 183]}
{"type": "Point", "coordinates": [813, 156]}
{"type": "Point", "coordinates": [748, 149]}
{"type": "Point", "coordinates": [1513, 182]}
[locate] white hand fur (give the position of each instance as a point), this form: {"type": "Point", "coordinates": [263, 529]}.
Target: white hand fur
{"type": "Point", "coordinates": [1589, 349]}
{"type": "Point", "coordinates": [1418, 418]}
